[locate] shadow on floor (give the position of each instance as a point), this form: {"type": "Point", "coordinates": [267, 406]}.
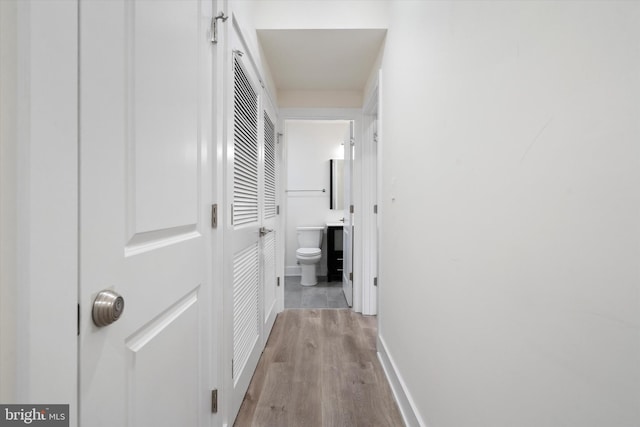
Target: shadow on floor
{"type": "Point", "coordinates": [322, 295]}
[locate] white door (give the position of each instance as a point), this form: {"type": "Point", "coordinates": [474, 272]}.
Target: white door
{"type": "Point", "coordinates": [347, 241]}
{"type": "Point", "coordinates": [143, 127]}
{"type": "Point", "coordinates": [373, 301]}
{"type": "Point", "coordinates": [250, 244]}
{"type": "Point", "coordinates": [271, 225]}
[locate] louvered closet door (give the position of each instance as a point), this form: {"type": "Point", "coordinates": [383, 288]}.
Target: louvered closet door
{"type": "Point", "coordinates": [243, 246]}
{"type": "Point", "coordinates": [269, 219]}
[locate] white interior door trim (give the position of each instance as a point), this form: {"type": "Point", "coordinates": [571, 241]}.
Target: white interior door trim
{"type": "Point", "coordinates": [43, 257]}
{"type": "Point", "coordinates": [349, 149]}
{"type": "Point", "coordinates": [371, 183]}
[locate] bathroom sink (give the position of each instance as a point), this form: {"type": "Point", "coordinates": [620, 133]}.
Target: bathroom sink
{"type": "Point", "coordinates": [335, 224]}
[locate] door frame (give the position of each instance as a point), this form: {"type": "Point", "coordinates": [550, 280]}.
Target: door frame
{"type": "Point", "coordinates": [360, 264]}
{"type": "Point", "coordinates": [371, 170]}
{"type": "Point", "coordinates": [39, 203]}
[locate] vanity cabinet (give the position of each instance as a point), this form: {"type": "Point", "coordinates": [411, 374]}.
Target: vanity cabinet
{"type": "Point", "coordinates": [334, 253]}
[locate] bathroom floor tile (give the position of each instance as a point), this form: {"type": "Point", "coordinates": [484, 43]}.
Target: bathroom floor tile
{"type": "Point", "coordinates": [337, 303]}
{"type": "Point", "coordinates": [314, 300]}
{"type": "Point", "coordinates": [292, 299]}
{"type": "Point", "coordinates": [323, 295]}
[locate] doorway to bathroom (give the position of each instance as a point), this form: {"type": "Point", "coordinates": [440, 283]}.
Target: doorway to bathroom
{"type": "Point", "coordinates": [318, 188]}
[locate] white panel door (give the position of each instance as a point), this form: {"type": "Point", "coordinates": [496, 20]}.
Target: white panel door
{"type": "Point", "coordinates": [244, 239]}
{"type": "Point", "coordinates": [347, 241]}
{"type": "Point", "coordinates": [141, 159]}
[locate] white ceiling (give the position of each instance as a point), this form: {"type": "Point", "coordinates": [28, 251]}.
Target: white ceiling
{"type": "Point", "coordinates": [331, 60]}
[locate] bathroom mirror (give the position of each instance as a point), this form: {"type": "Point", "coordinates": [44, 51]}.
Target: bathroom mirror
{"type": "Point", "coordinates": [336, 184]}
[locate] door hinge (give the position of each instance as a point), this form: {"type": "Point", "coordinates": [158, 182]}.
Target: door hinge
{"type": "Point", "coordinates": [277, 209]}
{"type": "Point", "coordinates": [231, 368]}
{"type": "Point", "coordinates": [350, 208]}
{"type": "Point", "coordinates": [214, 401]}
{"type": "Point", "coordinates": [214, 26]}
{"type": "Point", "coordinates": [214, 215]}
{"type": "Point", "coordinates": [279, 138]}
{"type": "Point", "coordinates": [231, 217]}
{"type": "Point", "coordinates": [375, 281]}
{"type": "Point", "coordinates": [78, 319]}
{"type": "Point", "coordinates": [351, 276]}
{"type": "Point", "coordinates": [278, 281]}
{"type": "Point", "coordinates": [375, 209]}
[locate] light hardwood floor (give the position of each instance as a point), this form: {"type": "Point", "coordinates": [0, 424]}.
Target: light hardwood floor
{"type": "Point", "coordinates": [320, 369]}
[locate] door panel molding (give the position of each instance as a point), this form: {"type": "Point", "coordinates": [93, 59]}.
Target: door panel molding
{"type": "Point", "coordinates": [161, 143]}
{"type": "Point", "coordinates": [177, 365]}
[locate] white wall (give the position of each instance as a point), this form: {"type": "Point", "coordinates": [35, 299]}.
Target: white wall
{"type": "Point", "coordinates": [319, 99]}
{"type": "Point", "coordinates": [319, 14]}
{"type": "Point", "coordinates": [8, 214]}
{"type": "Point", "coordinates": [510, 288]}
{"type": "Point", "coordinates": [310, 144]}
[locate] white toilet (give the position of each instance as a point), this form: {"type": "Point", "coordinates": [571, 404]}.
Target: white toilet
{"type": "Point", "coordinates": [309, 253]}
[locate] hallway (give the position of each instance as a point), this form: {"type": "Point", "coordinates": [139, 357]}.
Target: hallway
{"type": "Point", "coordinates": [320, 368]}
{"type": "Point", "coordinates": [149, 162]}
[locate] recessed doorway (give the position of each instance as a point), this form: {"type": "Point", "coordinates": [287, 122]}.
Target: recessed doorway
{"type": "Point", "coordinates": [315, 192]}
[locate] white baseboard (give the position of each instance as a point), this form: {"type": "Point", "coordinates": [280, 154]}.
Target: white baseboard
{"type": "Point", "coordinates": [405, 402]}
{"type": "Point", "coordinates": [292, 270]}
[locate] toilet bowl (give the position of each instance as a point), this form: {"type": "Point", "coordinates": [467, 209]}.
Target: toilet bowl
{"type": "Point", "coordinates": [309, 253]}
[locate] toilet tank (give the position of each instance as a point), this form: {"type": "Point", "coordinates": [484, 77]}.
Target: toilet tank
{"type": "Point", "coordinates": [310, 237]}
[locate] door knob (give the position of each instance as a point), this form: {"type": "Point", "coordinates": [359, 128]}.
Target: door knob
{"type": "Point", "coordinates": [264, 231]}
{"type": "Point", "coordinates": [107, 308]}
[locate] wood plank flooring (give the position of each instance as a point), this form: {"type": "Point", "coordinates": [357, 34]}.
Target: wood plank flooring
{"type": "Point", "coordinates": [320, 369]}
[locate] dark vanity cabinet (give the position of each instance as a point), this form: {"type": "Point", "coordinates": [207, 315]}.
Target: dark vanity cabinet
{"type": "Point", "coordinates": [334, 253]}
